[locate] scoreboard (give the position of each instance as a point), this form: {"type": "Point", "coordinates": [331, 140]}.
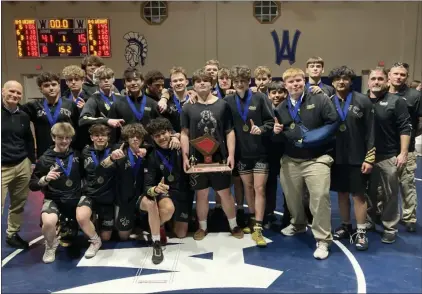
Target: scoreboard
{"type": "Point", "coordinates": [62, 37]}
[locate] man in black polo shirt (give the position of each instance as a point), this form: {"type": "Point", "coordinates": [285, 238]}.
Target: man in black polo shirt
{"type": "Point", "coordinates": [252, 121]}
{"type": "Point", "coordinates": [300, 113]}
{"type": "Point", "coordinates": [392, 138]}
{"type": "Point", "coordinates": [397, 76]}
{"type": "Point", "coordinates": [354, 154]}
{"type": "Point", "coordinates": [17, 153]}
{"type": "Point", "coordinates": [392, 142]}
{"type": "Point", "coordinates": [209, 116]}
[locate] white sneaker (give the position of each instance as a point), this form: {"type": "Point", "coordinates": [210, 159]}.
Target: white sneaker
{"type": "Point", "coordinates": [322, 250]}
{"type": "Point", "coordinates": [93, 248]}
{"type": "Point", "coordinates": [291, 230]}
{"type": "Point", "coordinates": [50, 251]}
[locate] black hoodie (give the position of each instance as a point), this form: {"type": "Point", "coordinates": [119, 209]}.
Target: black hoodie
{"type": "Point", "coordinates": [99, 180]}
{"type": "Point", "coordinates": [57, 190]}
{"type": "Point", "coordinates": [128, 185]}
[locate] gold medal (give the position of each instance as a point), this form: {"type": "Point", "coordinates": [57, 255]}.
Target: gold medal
{"type": "Point", "coordinates": [292, 126]}
{"type": "Point", "coordinates": [100, 180]}
{"type": "Point", "coordinates": [245, 128]}
{"type": "Point", "coordinates": [69, 183]}
{"type": "Point", "coordinates": [170, 178]}
{"type": "Point", "coordinates": [107, 106]}
{"type": "Point", "coordinates": [343, 127]}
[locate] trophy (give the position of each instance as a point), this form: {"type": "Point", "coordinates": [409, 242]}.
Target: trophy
{"type": "Point", "coordinates": [207, 146]}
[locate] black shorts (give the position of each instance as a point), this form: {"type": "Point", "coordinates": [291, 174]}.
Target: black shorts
{"type": "Point", "coordinates": [105, 213]}
{"type": "Point", "coordinates": [125, 216]}
{"type": "Point", "coordinates": [348, 178]}
{"type": "Point", "coordinates": [257, 166]}
{"type": "Point", "coordinates": [66, 209]}
{"type": "Point", "coordinates": [183, 202]}
{"type": "Point", "coordinates": [218, 181]}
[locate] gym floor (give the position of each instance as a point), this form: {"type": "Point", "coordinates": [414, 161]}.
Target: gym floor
{"type": "Point", "coordinates": [219, 263]}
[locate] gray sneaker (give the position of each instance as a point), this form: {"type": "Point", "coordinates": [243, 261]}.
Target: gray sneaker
{"type": "Point", "coordinates": [93, 248]}
{"type": "Point", "coordinates": [50, 251]}
{"type": "Point", "coordinates": [291, 230]}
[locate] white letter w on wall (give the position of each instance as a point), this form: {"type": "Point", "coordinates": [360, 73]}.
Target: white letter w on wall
{"type": "Point", "coordinates": [285, 50]}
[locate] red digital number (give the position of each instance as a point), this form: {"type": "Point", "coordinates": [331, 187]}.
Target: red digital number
{"type": "Point", "coordinates": [47, 38]}
{"type": "Point", "coordinates": [107, 53]}
{"type": "Point", "coordinates": [84, 49]}
{"type": "Point", "coordinates": [44, 49]}
{"type": "Point", "coordinates": [82, 38]}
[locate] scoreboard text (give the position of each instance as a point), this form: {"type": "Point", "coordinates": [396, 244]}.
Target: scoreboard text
{"type": "Point", "coordinates": [64, 37]}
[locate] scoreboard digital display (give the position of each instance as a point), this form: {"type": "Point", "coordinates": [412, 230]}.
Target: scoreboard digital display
{"type": "Point", "coordinates": [63, 37]}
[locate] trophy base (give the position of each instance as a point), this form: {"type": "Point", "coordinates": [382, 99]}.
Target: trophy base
{"type": "Point", "coordinates": [208, 168]}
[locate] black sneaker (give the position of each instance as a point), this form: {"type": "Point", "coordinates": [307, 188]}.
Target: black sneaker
{"type": "Point", "coordinates": [410, 227]}
{"type": "Point", "coordinates": [16, 241]}
{"type": "Point", "coordinates": [343, 232]}
{"type": "Point", "coordinates": [269, 220]}
{"type": "Point", "coordinates": [157, 253]}
{"type": "Point", "coordinates": [360, 240]}
{"type": "Point", "coordinates": [388, 238]}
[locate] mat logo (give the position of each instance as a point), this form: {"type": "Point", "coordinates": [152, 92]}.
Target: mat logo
{"type": "Point", "coordinates": [187, 265]}
{"type": "Point", "coordinates": [286, 50]}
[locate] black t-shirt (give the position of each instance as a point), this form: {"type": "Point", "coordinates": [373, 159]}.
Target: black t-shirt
{"type": "Point", "coordinates": [248, 145]}
{"type": "Point", "coordinates": [213, 119]}
{"type": "Point", "coordinates": [357, 143]}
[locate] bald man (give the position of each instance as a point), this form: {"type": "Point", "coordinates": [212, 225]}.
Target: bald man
{"type": "Point", "coordinates": [17, 154]}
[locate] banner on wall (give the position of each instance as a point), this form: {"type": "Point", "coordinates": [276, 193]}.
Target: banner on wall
{"type": "Point", "coordinates": [136, 49]}
{"type": "Point", "coordinates": [286, 50]}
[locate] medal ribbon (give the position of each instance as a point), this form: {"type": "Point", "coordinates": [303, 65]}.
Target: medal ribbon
{"type": "Point", "coordinates": [177, 102]}
{"type": "Point", "coordinates": [135, 166]}
{"type": "Point", "coordinates": [217, 88]}
{"type": "Point", "coordinates": [307, 85]}
{"type": "Point", "coordinates": [95, 159]}
{"type": "Point", "coordinates": [52, 119]}
{"type": "Point", "coordinates": [294, 111]}
{"type": "Point", "coordinates": [139, 114]}
{"type": "Point", "coordinates": [77, 99]}
{"type": "Point", "coordinates": [106, 99]}
{"type": "Point", "coordinates": [343, 112]}
{"type": "Point", "coordinates": [166, 163]}
{"type": "Point", "coordinates": [244, 113]}
{"type": "Point", "coordinates": [67, 170]}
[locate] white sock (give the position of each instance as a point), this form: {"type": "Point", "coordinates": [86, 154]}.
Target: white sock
{"type": "Point", "coordinates": [203, 225]}
{"type": "Point", "coordinates": [361, 226]}
{"type": "Point", "coordinates": [155, 238]}
{"type": "Point", "coordinates": [95, 237]}
{"type": "Point", "coordinates": [232, 223]}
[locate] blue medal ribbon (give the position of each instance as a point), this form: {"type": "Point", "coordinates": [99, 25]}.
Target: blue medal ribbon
{"type": "Point", "coordinates": [307, 85]}
{"type": "Point", "coordinates": [177, 102]}
{"type": "Point", "coordinates": [68, 169]}
{"type": "Point", "coordinates": [106, 99]}
{"type": "Point", "coordinates": [95, 159]}
{"type": "Point", "coordinates": [294, 111]}
{"type": "Point", "coordinates": [139, 114]}
{"type": "Point", "coordinates": [77, 99]}
{"type": "Point", "coordinates": [343, 112]}
{"type": "Point", "coordinates": [217, 88]}
{"type": "Point", "coordinates": [166, 163]}
{"type": "Point", "coordinates": [52, 119]}
{"type": "Point", "coordinates": [244, 113]}
{"type": "Point", "coordinates": [135, 166]}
